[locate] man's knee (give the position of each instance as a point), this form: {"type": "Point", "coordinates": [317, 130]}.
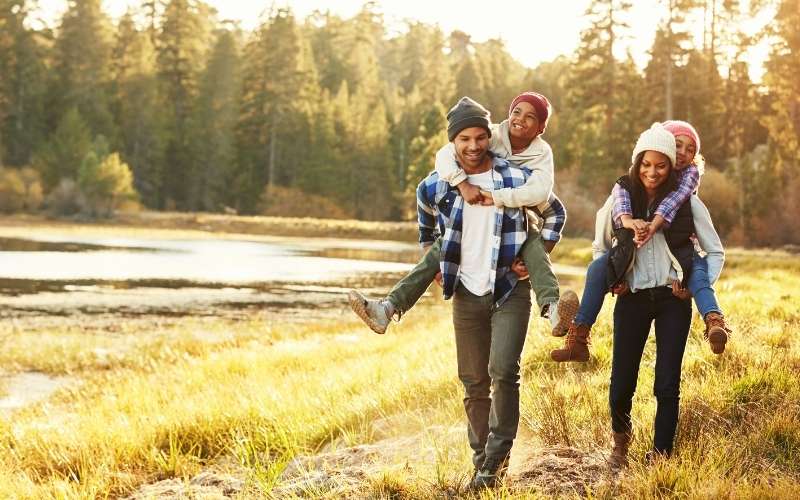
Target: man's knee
{"type": "Point", "coordinates": [475, 385]}
{"type": "Point", "coordinates": [504, 374]}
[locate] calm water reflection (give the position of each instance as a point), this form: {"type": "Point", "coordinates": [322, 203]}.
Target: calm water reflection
{"type": "Point", "coordinates": [63, 275]}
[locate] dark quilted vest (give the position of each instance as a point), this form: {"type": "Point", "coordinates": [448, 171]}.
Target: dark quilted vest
{"type": "Point", "coordinates": [678, 237]}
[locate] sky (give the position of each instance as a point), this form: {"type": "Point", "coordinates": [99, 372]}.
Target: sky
{"type": "Point", "coordinates": [534, 31]}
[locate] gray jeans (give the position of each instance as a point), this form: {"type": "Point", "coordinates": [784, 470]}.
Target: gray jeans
{"type": "Point", "coordinates": [489, 343]}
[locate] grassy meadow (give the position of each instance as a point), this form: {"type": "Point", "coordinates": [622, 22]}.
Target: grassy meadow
{"type": "Point", "coordinates": [151, 401]}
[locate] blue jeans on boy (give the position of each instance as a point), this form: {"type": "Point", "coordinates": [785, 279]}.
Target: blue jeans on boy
{"type": "Point", "coordinates": [595, 290]}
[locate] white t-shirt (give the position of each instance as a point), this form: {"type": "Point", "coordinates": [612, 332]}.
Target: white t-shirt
{"type": "Point", "coordinates": [477, 238]}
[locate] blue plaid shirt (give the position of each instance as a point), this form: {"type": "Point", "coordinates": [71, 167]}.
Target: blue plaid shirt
{"type": "Point", "coordinates": [440, 211]}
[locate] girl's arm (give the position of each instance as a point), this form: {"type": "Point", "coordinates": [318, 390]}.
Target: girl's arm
{"type": "Point", "coordinates": [708, 238]}
{"type": "Point", "coordinates": [603, 231]}
{"type": "Point", "coordinates": [687, 184]}
{"type": "Point", "coordinates": [621, 210]}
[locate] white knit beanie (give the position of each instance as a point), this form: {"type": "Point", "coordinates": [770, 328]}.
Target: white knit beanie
{"type": "Point", "coordinates": [656, 138]}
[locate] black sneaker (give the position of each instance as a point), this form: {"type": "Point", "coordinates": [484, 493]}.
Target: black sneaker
{"type": "Point", "coordinates": [491, 474]}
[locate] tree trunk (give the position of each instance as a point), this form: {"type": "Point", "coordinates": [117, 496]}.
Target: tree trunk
{"type": "Point", "coordinates": [271, 164]}
{"type": "Point", "coordinates": [668, 82]}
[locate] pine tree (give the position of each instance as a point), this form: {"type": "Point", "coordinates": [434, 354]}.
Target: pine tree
{"type": "Point", "coordinates": [214, 122]}
{"type": "Point", "coordinates": [23, 84]}
{"type": "Point", "coordinates": [278, 91]}
{"type": "Point", "coordinates": [782, 78]}
{"type": "Point", "coordinates": [83, 64]}
{"type": "Point", "coordinates": [604, 98]}
{"type": "Point", "coordinates": [138, 109]}
{"type": "Point", "coordinates": [61, 157]}
{"type": "Point", "coordinates": [182, 45]}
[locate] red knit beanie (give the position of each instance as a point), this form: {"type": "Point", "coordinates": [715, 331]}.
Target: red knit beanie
{"type": "Point", "coordinates": [678, 127]}
{"type": "Point", "coordinates": [539, 103]}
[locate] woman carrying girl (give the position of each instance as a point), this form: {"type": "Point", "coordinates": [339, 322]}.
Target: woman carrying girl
{"type": "Point", "coordinates": [652, 269]}
{"type": "Point", "coordinates": [688, 166]}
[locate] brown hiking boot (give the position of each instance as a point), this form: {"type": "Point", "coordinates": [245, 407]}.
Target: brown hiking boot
{"type": "Point", "coordinates": [619, 454]}
{"type": "Point", "coordinates": [716, 332]}
{"type": "Point", "coordinates": [576, 345]}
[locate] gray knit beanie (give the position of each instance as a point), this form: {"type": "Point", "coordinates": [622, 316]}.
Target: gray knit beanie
{"type": "Point", "coordinates": [465, 114]}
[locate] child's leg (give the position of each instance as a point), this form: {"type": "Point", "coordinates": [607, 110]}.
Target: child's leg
{"type": "Point", "coordinates": [700, 286]}
{"type": "Point", "coordinates": [410, 288]}
{"type": "Point", "coordinates": [543, 279]}
{"type": "Point", "coordinates": [717, 331]}
{"type": "Point", "coordinates": [594, 291]}
{"type": "Point", "coordinates": [576, 345]}
{"type": "Point", "coordinates": [377, 314]}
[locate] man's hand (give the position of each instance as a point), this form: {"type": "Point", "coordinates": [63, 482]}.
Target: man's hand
{"type": "Point", "coordinates": [549, 246]}
{"type": "Point", "coordinates": [520, 269]}
{"type": "Point", "coordinates": [438, 279]}
{"type": "Point", "coordinates": [679, 291]}
{"type": "Point", "coordinates": [488, 199]}
{"type": "Point", "coordinates": [470, 193]}
{"type": "Point", "coordinates": [621, 288]}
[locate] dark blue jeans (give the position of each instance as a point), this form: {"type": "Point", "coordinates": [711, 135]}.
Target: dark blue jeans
{"type": "Point", "coordinates": [595, 289]}
{"type": "Point", "coordinates": [633, 315]}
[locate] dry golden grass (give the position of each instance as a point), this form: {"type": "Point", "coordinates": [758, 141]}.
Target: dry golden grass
{"type": "Point", "coordinates": [151, 402]}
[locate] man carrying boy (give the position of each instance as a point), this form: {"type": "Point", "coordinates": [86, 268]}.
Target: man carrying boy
{"type": "Point", "coordinates": [491, 305]}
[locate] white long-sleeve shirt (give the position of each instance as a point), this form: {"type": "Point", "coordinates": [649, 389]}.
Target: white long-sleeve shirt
{"type": "Point", "coordinates": [538, 157]}
{"type": "Point", "coordinates": [653, 263]}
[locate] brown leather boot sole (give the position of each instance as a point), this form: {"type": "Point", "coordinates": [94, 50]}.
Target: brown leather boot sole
{"type": "Point", "coordinates": [717, 338]}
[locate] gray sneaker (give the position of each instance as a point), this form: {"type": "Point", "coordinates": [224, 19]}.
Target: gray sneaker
{"type": "Point", "coordinates": [563, 313]}
{"type": "Point", "coordinates": [372, 312]}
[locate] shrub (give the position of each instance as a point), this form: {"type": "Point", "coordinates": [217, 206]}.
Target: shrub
{"type": "Point", "coordinates": [66, 199]}
{"type": "Point", "coordinates": [107, 183]}
{"type": "Point", "coordinates": [288, 202]}
{"type": "Point", "coordinates": [720, 194]}
{"type": "Point", "coordinates": [12, 191]}
{"type": "Point", "coordinates": [20, 189]}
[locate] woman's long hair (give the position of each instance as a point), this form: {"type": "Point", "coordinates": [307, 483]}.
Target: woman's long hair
{"type": "Point", "coordinates": [638, 193]}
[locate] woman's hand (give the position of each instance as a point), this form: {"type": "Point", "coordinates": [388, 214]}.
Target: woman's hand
{"type": "Point", "coordinates": [679, 291]}
{"type": "Point", "coordinates": [640, 229]}
{"type": "Point", "coordinates": [438, 279]}
{"type": "Point", "coordinates": [520, 269]}
{"type": "Point", "coordinates": [641, 239]}
{"type": "Point", "coordinates": [620, 288]}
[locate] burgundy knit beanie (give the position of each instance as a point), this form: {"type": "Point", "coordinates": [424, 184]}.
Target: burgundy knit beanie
{"type": "Point", "coordinates": [539, 103]}
{"type": "Point", "coordinates": [678, 127]}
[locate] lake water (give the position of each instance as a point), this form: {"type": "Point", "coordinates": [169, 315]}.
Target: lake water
{"type": "Point", "coordinates": [63, 275]}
